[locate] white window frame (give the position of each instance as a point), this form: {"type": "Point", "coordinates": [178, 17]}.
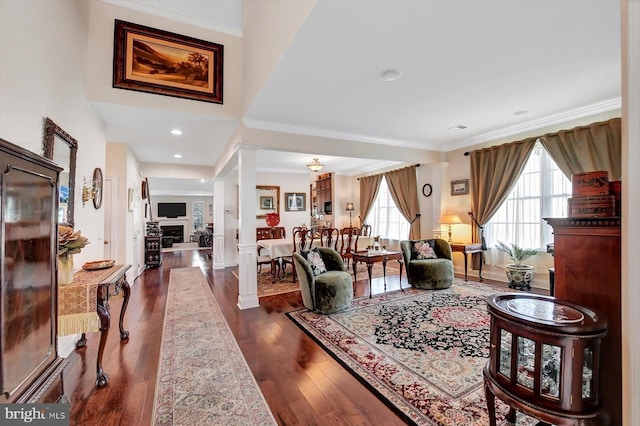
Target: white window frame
{"type": "Point", "coordinates": [385, 217]}
{"type": "Point", "coordinates": [543, 189]}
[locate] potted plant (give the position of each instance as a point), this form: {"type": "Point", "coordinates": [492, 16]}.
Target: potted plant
{"type": "Point", "coordinates": [518, 274]}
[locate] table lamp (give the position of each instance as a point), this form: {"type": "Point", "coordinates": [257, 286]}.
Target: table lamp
{"type": "Point", "coordinates": [450, 219]}
{"type": "Point", "coordinates": [349, 209]}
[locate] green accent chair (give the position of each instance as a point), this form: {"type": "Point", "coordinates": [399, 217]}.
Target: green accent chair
{"type": "Point", "coordinates": [328, 292]}
{"type": "Point", "coordinates": [428, 274]}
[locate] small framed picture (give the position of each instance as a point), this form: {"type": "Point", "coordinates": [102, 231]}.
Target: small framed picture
{"type": "Point", "coordinates": [266, 203]}
{"type": "Point", "coordinates": [295, 202]}
{"type": "Point", "coordinates": [460, 187]}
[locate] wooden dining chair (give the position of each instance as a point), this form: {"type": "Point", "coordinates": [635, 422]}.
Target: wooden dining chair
{"type": "Point", "coordinates": [329, 237]}
{"type": "Point", "coordinates": [302, 241]}
{"type": "Point", "coordinates": [365, 230]}
{"type": "Point", "coordinates": [348, 238]}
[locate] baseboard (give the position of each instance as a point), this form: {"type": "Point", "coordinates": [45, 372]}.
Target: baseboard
{"type": "Point", "coordinates": [67, 344]}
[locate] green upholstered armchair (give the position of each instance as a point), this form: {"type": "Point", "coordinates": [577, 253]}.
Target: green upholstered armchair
{"type": "Point", "coordinates": [428, 273]}
{"type": "Point", "coordinates": [329, 291]}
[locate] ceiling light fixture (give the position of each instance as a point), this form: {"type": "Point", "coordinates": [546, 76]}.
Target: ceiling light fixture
{"type": "Point", "coordinates": [389, 75]}
{"type": "Point", "coordinates": [176, 132]}
{"type": "Point", "coordinates": [315, 165]}
{"type": "Point", "coordinates": [177, 155]}
{"type": "Point", "coordinates": [458, 127]}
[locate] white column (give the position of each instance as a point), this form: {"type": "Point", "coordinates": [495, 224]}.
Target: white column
{"type": "Point", "coordinates": [218, 223]}
{"type": "Point", "coordinates": [247, 261]}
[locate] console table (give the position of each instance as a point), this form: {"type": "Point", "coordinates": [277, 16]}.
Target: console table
{"type": "Point", "coordinates": [469, 249]}
{"type": "Point", "coordinates": [83, 306]}
{"type": "Point", "coordinates": [370, 259]}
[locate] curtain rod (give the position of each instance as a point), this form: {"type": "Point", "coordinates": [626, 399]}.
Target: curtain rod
{"type": "Point", "coordinates": [416, 165]}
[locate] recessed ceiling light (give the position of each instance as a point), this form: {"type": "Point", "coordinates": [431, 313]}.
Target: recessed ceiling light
{"type": "Point", "coordinates": [521, 112]}
{"type": "Point", "coordinates": [177, 155]}
{"type": "Point", "coordinates": [176, 132]}
{"type": "Point", "coordinates": [389, 75]}
{"type": "Point", "coordinates": [458, 127]}
{"type": "Point", "coordinates": [202, 180]}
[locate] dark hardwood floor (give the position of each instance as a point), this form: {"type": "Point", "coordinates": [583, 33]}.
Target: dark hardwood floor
{"type": "Point", "coordinates": [301, 383]}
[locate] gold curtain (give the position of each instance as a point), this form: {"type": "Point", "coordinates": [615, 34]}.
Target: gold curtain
{"type": "Point", "coordinates": [369, 186]}
{"type": "Point", "coordinates": [597, 146]}
{"type": "Point", "coordinates": [403, 187]}
{"type": "Point", "coordinates": [494, 172]}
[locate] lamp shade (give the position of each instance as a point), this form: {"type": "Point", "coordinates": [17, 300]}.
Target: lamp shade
{"type": "Point", "coordinates": [349, 207]}
{"type": "Point", "coordinates": [315, 165]}
{"type": "Point", "coordinates": [450, 219]}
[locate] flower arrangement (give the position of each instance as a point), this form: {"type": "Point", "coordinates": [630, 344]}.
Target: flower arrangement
{"type": "Point", "coordinates": [69, 242]}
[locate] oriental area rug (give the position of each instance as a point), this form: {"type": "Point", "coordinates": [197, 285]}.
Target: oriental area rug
{"type": "Point", "coordinates": [420, 351]}
{"type": "Point", "coordinates": [203, 379]}
{"type": "Point", "coordinates": [285, 284]}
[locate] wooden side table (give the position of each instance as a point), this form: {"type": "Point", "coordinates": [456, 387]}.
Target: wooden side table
{"type": "Point", "coordinates": [370, 259]}
{"type": "Point", "coordinates": [83, 306]}
{"type": "Point", "coordinates": [469, 248]}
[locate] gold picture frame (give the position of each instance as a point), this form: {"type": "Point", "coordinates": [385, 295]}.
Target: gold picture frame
{"type": "Point", "coordinates": [460, 187]}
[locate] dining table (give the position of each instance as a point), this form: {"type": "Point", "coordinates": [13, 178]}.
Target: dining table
{"type": "Point", "coordinates": [279, 247]}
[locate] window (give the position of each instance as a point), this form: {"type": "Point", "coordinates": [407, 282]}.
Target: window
{"type": "Point", "coordinates": [385, 218]}
{"type": "Point", "coordinates": [541, 191]}
{"type": "Point", "coordinates": [197, 213]}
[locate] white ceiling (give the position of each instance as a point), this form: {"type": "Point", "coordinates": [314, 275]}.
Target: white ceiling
{"type": "Point", "coordinates": [463, 63]}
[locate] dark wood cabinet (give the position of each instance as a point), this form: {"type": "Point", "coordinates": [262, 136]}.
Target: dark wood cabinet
{"type": "Point", "coordinates": [30, 369]}
{"type": "Point", "coordinates": [153, 251]}
{"type": "Point", "coordinates": [324, 195]}
{"type": "Point", "coordinates": [269, 233]}
{"type": "Point", "coordinates": [545, 359]}
{"type": "Point", "coordinates": [588, 272]}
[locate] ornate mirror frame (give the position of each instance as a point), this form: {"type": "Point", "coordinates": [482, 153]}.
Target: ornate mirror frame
{"type": "Point", "coordinates": [53, 135]}
{"type": "Point", "coordinates": [267, 200]}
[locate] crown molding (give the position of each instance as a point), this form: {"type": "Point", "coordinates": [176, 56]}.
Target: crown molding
{"type": "Point", "coordinates": [574, 114]}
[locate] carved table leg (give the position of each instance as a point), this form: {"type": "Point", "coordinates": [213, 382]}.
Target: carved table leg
{"type": "Point", "coordinates": [491, 404]}
{"type": "Point", "coordinates": [511, 415]}
{"type": "Point", "coordinates": [384, 273]}
{"type": "Point", "coordinates": [126, 289]}
{"type": "Point", "coordinates": [105, 321]}
{"type": "Point", "coordinates": [401, 263]}
{"type": "Point", "coordinates": [355, 277]}
{"type": "Point", "coordinates": [369, 268]}
{"type": "Point", "coordinates": [82, 342]}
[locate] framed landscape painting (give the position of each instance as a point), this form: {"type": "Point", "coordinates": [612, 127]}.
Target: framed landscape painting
{"type": "Point", "coordinates": [155, 61]}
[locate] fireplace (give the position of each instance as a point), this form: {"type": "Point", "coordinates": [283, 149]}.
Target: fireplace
{"type": "Point", "coordinates": [174, 231]}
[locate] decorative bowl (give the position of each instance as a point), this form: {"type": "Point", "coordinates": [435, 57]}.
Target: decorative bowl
{"type": "Point", "coordinates": [273, 219]}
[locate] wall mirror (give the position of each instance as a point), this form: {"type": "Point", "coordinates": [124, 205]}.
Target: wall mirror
{"type": "Point", "coordinates": [61, 148]}
{"type": "Point", "coordinates": [267, 200]}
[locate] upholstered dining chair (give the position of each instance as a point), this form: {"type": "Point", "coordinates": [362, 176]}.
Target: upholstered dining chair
{"type": "Point", "coordinates": [365, 230]}
{"type": "Point", "coordinates": [329, 237]}
{"type": "Point", "coordinates": [266, 260]}
{"type": "Point", "coordinates": [326, 292]}
{"type": "Point", "coordinates": [302, 240]}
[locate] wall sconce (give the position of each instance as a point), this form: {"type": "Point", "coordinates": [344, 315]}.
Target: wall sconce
{"type": "Point", "coordinates": [350, 209]}
{"type": "Point", "coordinates": [450, 219]}
{"type": "Point", "coordinates": [87, 191]}
{"type": "Point", "coordinates": [93, 191]}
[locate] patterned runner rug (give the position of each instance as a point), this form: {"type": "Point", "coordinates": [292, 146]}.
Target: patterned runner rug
{"type": "Point", "coordinates": [267, 287]}
{"type": "Point", "coordinates": [203, 377]}
{"type": "Point", "coordinates": [420, 351]}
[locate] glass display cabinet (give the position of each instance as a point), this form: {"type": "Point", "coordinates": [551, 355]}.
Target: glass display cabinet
{"type": "Point", "coordinates": [544, 359]}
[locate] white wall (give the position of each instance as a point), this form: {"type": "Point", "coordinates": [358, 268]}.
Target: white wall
{"type": "Point", "coordinates": [42, 75]}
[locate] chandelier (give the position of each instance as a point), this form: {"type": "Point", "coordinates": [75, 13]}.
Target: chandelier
{"type": "Point", "coordinates": [315, 165]}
